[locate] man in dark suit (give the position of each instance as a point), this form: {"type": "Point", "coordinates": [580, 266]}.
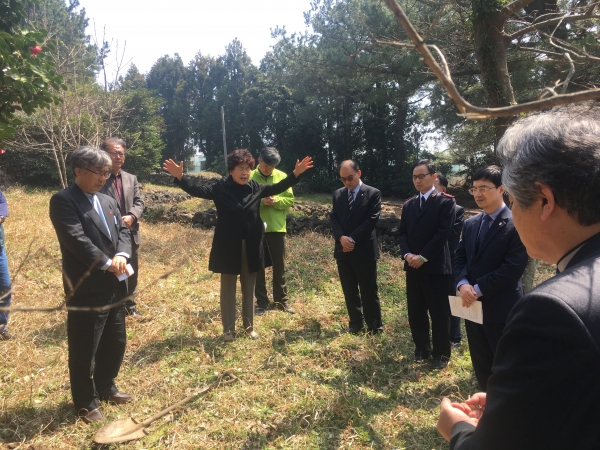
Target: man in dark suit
{"type": "Point", "coordinates": [356, 210]}
{"type": "Point", "coordinates": [544, 391]}
{"type": "Point", "coordinates": [489, 263]}
{"type": "Point", "coordinates": [124, 188]}
{"type": "Point", "coordinates": [441, 185]}
{"type": "Point", "coordinates": [425, 224]}
{"type": "Point", "coordinates": [95, 246]}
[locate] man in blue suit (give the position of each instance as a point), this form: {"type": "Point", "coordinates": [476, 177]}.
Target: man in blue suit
{"type": "Point", "coordinates": [544, 391]}
{"type": "Point", "coordinates": [489, 262]}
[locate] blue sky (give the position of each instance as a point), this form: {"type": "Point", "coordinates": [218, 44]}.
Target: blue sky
{"type": "Point", "coordinates": [151, 29]}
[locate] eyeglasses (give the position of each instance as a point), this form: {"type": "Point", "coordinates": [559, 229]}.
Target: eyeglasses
{"type": "Point", "coordinates": [481, 190]}
{"type": "Point", "coordinates": [115, 154]}
{"type": "Point", "coordinates": [243, 169]}
{"type": "Point", "coordinates": [100, 174]}
{"type": "Point", "coordinates": [421, 176]}
{"type": "Point", "coordinates": [348, 178]}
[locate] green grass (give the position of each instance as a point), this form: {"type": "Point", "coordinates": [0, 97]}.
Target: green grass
{"type": "Point", "coordinates": [302, 385]}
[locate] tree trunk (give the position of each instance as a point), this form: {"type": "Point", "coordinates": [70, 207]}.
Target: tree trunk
{"type": "Point", "coordinates": [491, 54]}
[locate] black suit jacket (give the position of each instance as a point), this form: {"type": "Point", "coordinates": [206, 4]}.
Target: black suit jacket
{"type": "Point", "coordinates": [426, 232]}
{"type": "Point", "coordinates": [237, 218]}
{"type": "Point", "coordinates": [544, 392]}
{"type": "Point", "coordinates": [134, 204]}
{"type": "Point", "coordinates": [358, 224]}
{"type": "Point", "coordinates": [456, 230]}
{"type": "Point", "coordinates": [85, 244]}
{"type": "Point", "coordinates": [497, 266]}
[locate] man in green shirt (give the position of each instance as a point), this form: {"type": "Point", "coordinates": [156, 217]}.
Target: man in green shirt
{"type": "Point", "coordinates": [273, 211]}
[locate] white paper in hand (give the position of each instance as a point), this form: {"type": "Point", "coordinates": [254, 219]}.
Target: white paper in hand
{"type": "Point", "coordinates": [128, 272]}
{"type": "Point", "coordinates": [474, 313]}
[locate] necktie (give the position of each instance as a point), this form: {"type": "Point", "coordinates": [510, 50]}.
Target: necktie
{"type": "Point", "coordinates": [423, 200]}
{"type": "Point", "coordinates": [485, 226]}
{"type": "Point", "coordinates": [350, 199]}
{"type": "Point", "coordinates": [98, 209]}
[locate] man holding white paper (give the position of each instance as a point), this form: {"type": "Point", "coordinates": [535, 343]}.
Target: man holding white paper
{"type": "Point", "coordinates": [95, 245]}
{"type": "Point", "coordinates": [489, 262]}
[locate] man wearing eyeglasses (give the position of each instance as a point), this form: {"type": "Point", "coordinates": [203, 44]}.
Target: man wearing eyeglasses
{"type": "Point", "coordinates": [95, 246]}
{"type": "Point", "coordinates": [356, 210]}
{"type": "Point", "coordinates": [425, 225]}
{"type": "Point", "coordinates": [490, 260]}
{"type": "Point", "coordinates": [124, 188]}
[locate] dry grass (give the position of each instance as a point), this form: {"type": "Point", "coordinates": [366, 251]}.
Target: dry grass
{"type": "Point", "coordinates": [303, 384]}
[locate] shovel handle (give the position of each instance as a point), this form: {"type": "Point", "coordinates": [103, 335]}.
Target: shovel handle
{"type": "Point", "coordinates": [164, 412]}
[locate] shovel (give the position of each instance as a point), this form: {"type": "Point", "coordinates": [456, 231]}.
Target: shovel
{"type": "Point", "coordinates": [124, 430]}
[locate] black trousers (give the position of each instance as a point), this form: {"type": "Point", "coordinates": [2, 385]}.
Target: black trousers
{"type": "Point", "coordinates": [132, 281]}
{"type": "Point", "coordinates": [359, 283]}
{"type": "Point", "coordinates": [96, 348]}
{"type": "Point", "coordinates": [483, 342]}
{"type": "Point", "coordinates": [455, 335]}
{"type": "Point", "coordinates": [428, 293]}
{"type": "Point", "coordinates": [276, 242]}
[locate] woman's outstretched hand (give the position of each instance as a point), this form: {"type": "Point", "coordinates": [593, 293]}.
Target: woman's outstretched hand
{"type": "Point", "coordinates": [174, 169]}
{"type": "Point", "coordinates": [303, 166]}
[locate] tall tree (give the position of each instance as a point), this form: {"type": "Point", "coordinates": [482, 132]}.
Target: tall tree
{"type": "Point", "coordinates": [169, 78]}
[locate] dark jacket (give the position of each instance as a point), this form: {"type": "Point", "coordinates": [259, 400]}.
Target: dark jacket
{"type": "Point", "coordinates": [358, 224]}
{"type": "Point", "coordinates": [85, 244]}
{"type": "Point", "coordinates": [544, 391]}
{"type": "Point", "coordinates": [426, 232]}
{"type": "Point", "coordinates": [497, 266]}
{"type": "Point", "coordinates": [237, 218]}
{"type": "Point", "coordinates": [456, 230]}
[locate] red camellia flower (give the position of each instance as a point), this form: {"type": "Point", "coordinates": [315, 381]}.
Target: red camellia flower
{"type": "Point", "coordinates": [35, 50]}
{"type": "Point", "coordinates": [2, 151]}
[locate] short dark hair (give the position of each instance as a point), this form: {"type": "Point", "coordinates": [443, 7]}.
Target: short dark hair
{"type": "Point", "coordinates": [353, 164]}
{"type": "Point", "coordinates": [86, 157]}
{"type": "Point", "coordinates": [239, 156]}
{"type": "Point", "coordinates": [425, 162]}
{"type": "Point", "coordinates": [489, 173]}
{"type": "Point", "coordinates": [443, 180]}
{"type": "Point", "coordinates": [270, 156]}
{"type": "Point", "coordinates": [560, 149]}
{"type": "Point", "coordinates": [112, 141]}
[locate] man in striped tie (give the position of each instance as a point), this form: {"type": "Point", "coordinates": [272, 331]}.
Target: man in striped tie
{"type": "Point", "coordinates": [356, 210]}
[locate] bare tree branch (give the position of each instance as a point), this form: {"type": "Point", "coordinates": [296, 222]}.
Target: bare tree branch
{"type": "Point", "coordinates": [474, 112]}
{"type": "Point", "coordinates": [438, 16]}
{"type": "Point", "coordinates": [64, 307]}
{"type": "Point", "coordinates": [514, 8]}
{"type": "Point", "coordinates": [569, 75]}
{"type": "Point", "coordinates": [548, 23]}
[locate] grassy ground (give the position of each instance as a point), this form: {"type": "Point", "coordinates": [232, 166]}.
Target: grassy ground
{"type": "Point", "coordinates": [303, 385]}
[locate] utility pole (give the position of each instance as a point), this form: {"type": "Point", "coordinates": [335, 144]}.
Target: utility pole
{"type": "Point", "coordinates": [224, 139]}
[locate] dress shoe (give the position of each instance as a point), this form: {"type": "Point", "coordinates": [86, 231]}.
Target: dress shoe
{"type": "Point", "coordinates": [133, 313]}
{"type": "Point", "coordinates": [258, 311]}
{"type": "Point", "coordinates": [4, 334]}
{"type": "Point", "coordinates": [375, 330]}
{"type": "Point", "coordinates": [420, 357]}
{"type": "Point", "coordinates": [285, 307]}
{"type": "Point", "coordinates": [439, 364]}
{"type": "Point", "coordinates": [119, 398]}
{"type": "Point", "coordinates": [355, 331]}
{"type": "Point", "coordinates": [90, 416]}
{"type": "Point", "coordinates": [228, 337]}
{"type": "Point", "coordinates": [252, 334]}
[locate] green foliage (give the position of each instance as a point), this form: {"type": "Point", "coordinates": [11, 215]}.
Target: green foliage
{"type": "Point", "coordinates": [25, 79]}
{"type": "Point", "coordinates": [140, 124]}
{"type": "Point", "coordinates": [168, 78]}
